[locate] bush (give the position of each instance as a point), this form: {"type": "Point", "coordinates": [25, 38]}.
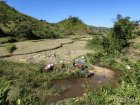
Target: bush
{"type": "Point", "coordinates": [108, 60]}
{"type": "Point", "coordinates": [11, 40]}
{"type": "Point", "coordinates": [95, 58]}
{"type": "Point", "coordinates": [124, 59]}
{"type": "Point", "coordinates": [7, 40]}
{"type": "Point", "coordinates": [138, 33]}
{"type": "Point", "coordinates": [122, 32]}
{"type": "Point", "coordinates": [95, 42]}
{"type": "Point", "coordinates": [10, 47]}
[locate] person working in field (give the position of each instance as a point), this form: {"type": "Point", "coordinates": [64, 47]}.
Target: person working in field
{"type": "Point", "coordinates": [90, 73]}
{"type": "Point", "coordinates": [49, 67]}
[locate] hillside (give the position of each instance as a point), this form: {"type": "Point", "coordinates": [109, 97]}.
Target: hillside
{"type": "Point", "coordinates": [71, 26]}
{"type": "Point", "coordinates": [21, 26]}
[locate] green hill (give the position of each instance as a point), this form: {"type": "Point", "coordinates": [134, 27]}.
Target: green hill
{"type": "Point", "coordinates": [21, 26]}
{"type": "Point", "coordinates": [71, 26]}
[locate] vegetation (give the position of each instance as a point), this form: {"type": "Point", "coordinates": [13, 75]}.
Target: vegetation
{"type": "Point", "coordinates": [34, 81]}
{"type": "Point", "coordinates": [39, 45]}
{"type": "Point", "coordinates": [22, 27]}
{"type": "Point", "coordinates": [19, 26]}
{"type": "Point", "coordinates": [10, 47]}
{"type": "Point", "coordinates": [4, 88]}
{"type": "Point", "coordinates": [70, 26]}
{"type": "Point", "coordinates": [98, 30]}
{"type": "Point", "coordinates": [117, 39]}
{"type": "Point", "coordinates": [127, 93]}
{"type": "Point", "coordinates": [47, 47]}
{"type": "Point", "coordinates": [122, 32]}
{"type": "Point", "coordinates": [112, 48]}
{"type": "Point", "coordinates": [7, 40]}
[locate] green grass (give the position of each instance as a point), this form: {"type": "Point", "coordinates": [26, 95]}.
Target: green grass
{"type": "Point", "coordinates": [4, 40]}
{"type": "Point", "coordinates": [10, 47]}
{"type": "Point", "coordinates": [7, 49]}
{"type": "Point", "coordinates": [21, 26]}
{"type": "Point", "coordinates": [29, 77]}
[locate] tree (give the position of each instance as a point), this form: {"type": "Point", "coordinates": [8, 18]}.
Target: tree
{"type": "Point", "coordinates": [3, 1]}
{"type": "Point", "coordinates": [119, 16]}
{"type": "Point", "coordinates": [122, 31]}
{"type": "Point", "coordinates": [24, 30]}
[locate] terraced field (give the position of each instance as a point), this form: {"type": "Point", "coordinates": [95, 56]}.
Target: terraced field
{"type": "Point", "coordinates": [49, 51]}
{"type": "Point", "coordinates": [3, 51]}
{"type": "Point", "coordinates": [39, 45]}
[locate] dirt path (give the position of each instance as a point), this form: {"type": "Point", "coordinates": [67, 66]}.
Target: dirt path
{"type": "Point", "coordinates": [104, 71]}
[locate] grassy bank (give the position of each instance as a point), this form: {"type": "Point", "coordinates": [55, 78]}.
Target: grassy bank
{"type": "Point", "coordinates": [30, 77]}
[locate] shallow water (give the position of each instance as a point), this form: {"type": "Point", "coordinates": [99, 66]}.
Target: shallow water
{"type": "Point", "coordinates": [74, 87]}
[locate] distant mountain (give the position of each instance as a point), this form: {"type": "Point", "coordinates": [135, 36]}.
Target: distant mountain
{"type": "Point", "coordinates": [21, 26]}
{"type": "Point", "coordinates": [99, 30]}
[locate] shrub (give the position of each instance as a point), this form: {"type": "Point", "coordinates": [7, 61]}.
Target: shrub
{"type": "Point", "coordinates": [122, 32]}
{"type": "Point", "coordinates": [11, 39]}
{"type": "Point", "coordinates": [95, 58]}
{"type": "Point", "coordinates": [7, 40]}
{"type": "Point", "coordinates": [95, 42]}
{"type": "Point", "coordinates": [138, 32]}
{"type": "Point", "coordinates": [124, 59]}
{"type": "Point", "coordinates": [108, 60]}
{"type": "Point", "coordinates": [10, 47]}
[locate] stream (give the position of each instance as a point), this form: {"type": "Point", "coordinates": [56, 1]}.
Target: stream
{"type": "Point", "coordinates": [74, 87]}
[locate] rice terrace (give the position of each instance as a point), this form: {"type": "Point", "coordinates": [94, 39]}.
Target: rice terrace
{"type": "Point", "coordinates": [45, 60]}
{"type": "Point", "coordinates": [36, 50]}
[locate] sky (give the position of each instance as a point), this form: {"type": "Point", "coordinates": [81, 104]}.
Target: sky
{"type": "Point", "coordinates": [91, 12]}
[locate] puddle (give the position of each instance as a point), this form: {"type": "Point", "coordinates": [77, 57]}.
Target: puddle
{"type": "Point", "coordinates": [74, 87]}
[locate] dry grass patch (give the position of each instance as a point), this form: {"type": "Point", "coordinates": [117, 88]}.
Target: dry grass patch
{"type": "Point", "coordinates": [86, 39]}
{"type": "Point", "coordinates": [38, 45]}
{"type": "Point", "coordinates": [3, 51]}
{"type": "Point", "coordinates": [77, 49]}
{"type": "Point", "coordinates": [134, 50]}
{"type": "Point", "coordinates": [136, 40]}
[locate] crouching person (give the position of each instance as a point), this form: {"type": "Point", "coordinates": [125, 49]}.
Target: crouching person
{"type": "Point", "coordinates": [49, 67]}
{"type": "Point", "coordinates": [90, 73]}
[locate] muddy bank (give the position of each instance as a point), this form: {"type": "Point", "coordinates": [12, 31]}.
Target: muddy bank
{"type": "Point", "coordinates": [75, 87]}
